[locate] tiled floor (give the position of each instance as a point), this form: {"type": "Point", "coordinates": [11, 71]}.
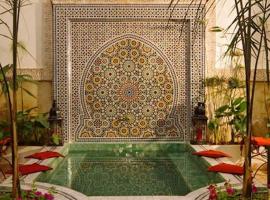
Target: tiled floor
{"type": "Point", "coordinates": [23, 151]}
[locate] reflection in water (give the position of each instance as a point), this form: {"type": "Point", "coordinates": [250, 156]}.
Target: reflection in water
{"type": "Point", "coordinates": [131, 169]}
{"type": "Point", "coordinates": [69, 167]}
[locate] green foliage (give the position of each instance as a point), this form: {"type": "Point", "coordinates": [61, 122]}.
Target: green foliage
{"type": "Point", "coordinates": [222, 195]}
{"type": "Point", "coordinates": [216, 29]}
{"type": "Point", "coordinates": [234, 83]}
{"type": "Point", "coordinates": [214, 81]}
{"type": "Point", "coordinates": [4, 129]}
{"type": "Point", "coordinates": [226, 96]}
{"type": "Point", "coordinates": [5, 196]}
{"type": "Point", "coordinates": [213, 124]}
{"type": "Point", "coordinates": [3, 75]}
{"type": "Point", "coordinates": [234, 52]}
{"type": "Point", "coordinates": [32, 128]}
{"type": "Point", "coordinates": [32, 194]}
{"type": "Point", "coordinates": [235, 112]}
{"type": "Point", "coordinates": [236, 107]}
{"type": "Point", "coordinates": [20, 79]}
{"type": "Point", "coordinates": [56, 139]}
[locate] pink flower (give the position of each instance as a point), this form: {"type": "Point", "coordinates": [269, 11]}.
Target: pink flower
{"type": "Point", "coordinates": [48, 196]}
{"type": "Point", "coordinates": [213, 192]}
{"type": "Point", "coordinates": [254, 188]}
{"type": "Point", "coordinates": [38, 193]}
{"type": "Point", "coordinates": [229, 188]}
{"type": "Point", "coordinates": [230, 191]}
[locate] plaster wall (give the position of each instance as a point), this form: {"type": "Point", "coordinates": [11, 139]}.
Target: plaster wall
{"type": "Point", "coordinates": [225, 14]}
{"type": "Point", "coordinates": [28, 36]}
{"type": "Point", "coordinates": [261, 109]}
{"type": "Point", "coordinates": [42, 92]}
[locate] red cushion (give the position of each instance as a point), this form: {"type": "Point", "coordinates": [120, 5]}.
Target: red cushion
{"type": "Point", "coordinates": [45, 155]}
{"type": "Point", "coordinates": [227, 168]}
{"type": "Point", "coordinates": [32, 168]}
{"type": "Point", "coordinates": [261, 141]}
{"type": "Point", "coordinates": [211, 154]}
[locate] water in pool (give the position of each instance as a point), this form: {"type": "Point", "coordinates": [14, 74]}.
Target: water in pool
{"type": "Point", "coordinates": [131, 169]}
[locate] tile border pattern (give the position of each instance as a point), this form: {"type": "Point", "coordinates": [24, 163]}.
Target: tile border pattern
{"type": "Point", "coordinates": [64, 14]}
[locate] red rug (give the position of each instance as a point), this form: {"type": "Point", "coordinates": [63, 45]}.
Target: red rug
{"type": "Point", "coordinates": [260, 141]}
{"type": "Point", "coordinates": [31, 168]}
{"type": "Point", "coordinates": [211, 154]}
{"type": "Point", "coordinates": [45, 155]}
{"type": "Point", "coordinates": [227, 168]}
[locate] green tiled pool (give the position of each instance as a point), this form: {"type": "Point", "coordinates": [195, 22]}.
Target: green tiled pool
{"type": "Point", "coordinates": [131, 169]}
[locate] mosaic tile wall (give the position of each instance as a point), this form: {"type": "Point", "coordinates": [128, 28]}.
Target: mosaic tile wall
{"type": "Point", "coordinates": [122, 72]}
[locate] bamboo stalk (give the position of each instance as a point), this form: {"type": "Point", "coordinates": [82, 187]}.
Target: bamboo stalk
{"type": "Point", "coordinates": [247, 182]}
{"type": "Point", "coordinates": [15, 177]}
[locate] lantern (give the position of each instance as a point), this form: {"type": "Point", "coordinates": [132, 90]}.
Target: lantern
{"type": "Point", "coordinates": [199, 124]}
{"type": "Point", "coordinates": [55, 129]}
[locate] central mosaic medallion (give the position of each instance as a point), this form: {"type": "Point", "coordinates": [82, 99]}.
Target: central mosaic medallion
{"type": "Point", "coordinates": [128, 91]}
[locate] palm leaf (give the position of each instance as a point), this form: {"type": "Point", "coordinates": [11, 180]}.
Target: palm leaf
{"type": "Point", "coordinates": [30, 109]}
{"type": "Point", "coordinates": [28, 92]}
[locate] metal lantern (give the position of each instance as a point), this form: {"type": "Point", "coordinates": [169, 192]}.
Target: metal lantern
{"type": "Point", "coordinates": [199, 124]}
{"type": "Point", "coordinates": [55, 122]}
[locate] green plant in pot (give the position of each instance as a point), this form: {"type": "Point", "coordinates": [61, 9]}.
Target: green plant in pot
{"type": "Point", "coordinates": [32, 128]}
{"type": "Point", "coordinates": [4, 129]}
{"type": "Point", "coordinates": [226, 111]}
{"type": "Point", "coordinates": [235, 112]}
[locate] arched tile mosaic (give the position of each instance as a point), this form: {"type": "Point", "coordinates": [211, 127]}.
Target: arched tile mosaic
{"type": "Point", "coordinates": [129, 90]}
{"type": "Point", "coordinates": [122, 72]}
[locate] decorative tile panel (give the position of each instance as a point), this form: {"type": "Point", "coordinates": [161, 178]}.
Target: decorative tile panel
{"type": "Point", "coordinates": [128, 90]}
{"type": "Point", "coordinates": [104, 93]}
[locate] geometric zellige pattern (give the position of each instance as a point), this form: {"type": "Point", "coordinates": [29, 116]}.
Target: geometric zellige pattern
{"type": "Point", "coordinates": [82, 33]}
{"type": "Point", "coordinates": [127, 91]}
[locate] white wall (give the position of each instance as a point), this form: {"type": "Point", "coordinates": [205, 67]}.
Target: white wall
{"type": "Point", "coordinates": [29, 35]}
{"type": "Point", "coordinates": [224, 17]}
{"type": "Point", "coordinates": [225, 14]}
